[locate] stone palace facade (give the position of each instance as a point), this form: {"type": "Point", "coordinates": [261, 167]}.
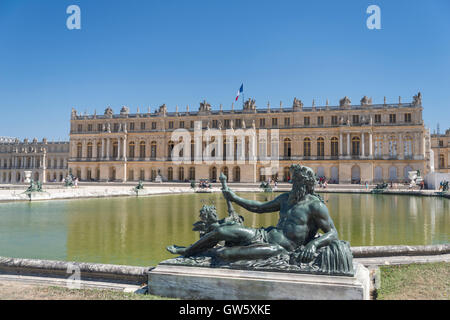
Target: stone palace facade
{"type": "Point", "coordinates": [345, 143]}
{"type": "Point", "coordinates": [440, 144]}
{"type": "Point", "coordinates": [47, 161]}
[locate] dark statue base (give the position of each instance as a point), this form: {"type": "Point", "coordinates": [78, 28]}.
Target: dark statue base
{"type": "Point", "coordinates": [188, 282]}
{"type": "Point", "coordinates": [335, 259]}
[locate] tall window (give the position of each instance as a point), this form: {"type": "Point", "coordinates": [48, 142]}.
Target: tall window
{"type": "Point", "coordinates": [393, 146]}
{"type": "Point", "coordinates": [320, 120]}
{"type": "Point", "coordinates": [170, 148]}
{"type": "Point", "coordinates": [262, 123]}
{"type": "Point", "coordinates": [142, 125]}
{"type": "Point", "coordinates": [407, 117]}
{"type": "Point", "coordinates": [153, 125]}
{"type": "Point", "coordinates": [441, 161]}
{"type": "Point", "coordinates": [115, 151]}
{"type": "Point", "coordinates": [191, 173]}
{"type": "Point", "coordinates": [378, 118]}
{"type": "Point", "coordinates": [170, 174]}
{"type": "Point", "coordinates": [153, 150]}
{"type": "Point", "coordinates": [307, 147]}
{"type": "Point", "coordinates": [392, 118]}
{"type": "Point", "coordinates": [287, 122]}
{"type": "Point", "coordinates": [334, 120]}
{"type": "Point", "coordinates": [170, 124]}
{"type": "Point", "coordinates": [334, 147]}
{"type": "Point", "coordinates": [79, 150]}
{"type": "Point", "coordinates": [131, 150]}
{"type": "Point", "coordinates": [287, 148]}
{"type": "Point", "coordinates": [378, 146]}
{"type": "Point", "coordinates": [320, 147]}
{"type": "Point", "coordinates": [89, 150]}
{"type": "Point", "coordinates": [355, 119]}
{"type": "Point", "coordinates": [274, 122]}
{"type": "Point", "coordinates": [142, 150]}
{"type": "Point", "coordinates": [306, 121]}
{"type": "Point", "coordinates": [181, 173]}
{"type": "Point", "coordinates": [407, 144]}
{"type": "Point", "coordinates": [355, 146]}
{"type": "Point", "coordinates": [181, 124]}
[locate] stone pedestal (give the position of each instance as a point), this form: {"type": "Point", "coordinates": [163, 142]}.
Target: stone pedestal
{"type": "Point", "coordinates": [214, 283]}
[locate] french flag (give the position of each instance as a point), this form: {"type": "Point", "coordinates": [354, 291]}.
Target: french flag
{"type": "Point", "coordinates": [241, 89]}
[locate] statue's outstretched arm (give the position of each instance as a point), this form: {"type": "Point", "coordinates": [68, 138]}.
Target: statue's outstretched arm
{"type": "Point", "coordinates": [255, 206]}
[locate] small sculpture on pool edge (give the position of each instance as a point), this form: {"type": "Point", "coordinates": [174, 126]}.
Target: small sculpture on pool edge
{"type": "Point", "coordinates": [294, 245]}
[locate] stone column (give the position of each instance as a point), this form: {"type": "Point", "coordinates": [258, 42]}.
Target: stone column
{"type": "Point", "coordinates": [370, 144]}
{"type": "Point", "coordinates": [103, 149]}
{"type": "Point", "coordinates": [400, 150]}
{"type": "Point", "coordinates": [340, 145]}
{"type": "Point", "coordinates": [108, 143]}
{"type": "Point", "coordinates": [348, 144]}
{"type": "Point", "coordinates": [124, 148]}
{"type": "Point", "coordinates": [362, 144]}
{"type": "Point", "coordinates": [94, 149]}
{"type": "Point", "coordinates": [119, 148]}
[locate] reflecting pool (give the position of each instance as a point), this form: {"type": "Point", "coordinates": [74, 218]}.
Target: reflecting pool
{"type": "Point", "coordinates": [135, 231]}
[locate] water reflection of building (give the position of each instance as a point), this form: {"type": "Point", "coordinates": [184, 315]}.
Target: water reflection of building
{"type": "Point", "coordinates": [46, 160]}
{"type": "Point", "coordinates": [367, 142]}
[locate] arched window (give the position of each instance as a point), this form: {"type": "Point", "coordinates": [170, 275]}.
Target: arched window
{"type": "Point", "coordinates": [320, 147]}
{"type": "Point", "coordinates": [334, 147]}
{"type": "Point", "coordinates": [287, 148]}
{"type": "Point", "coordinates": [355, 146]}
{"type": "Point", "coordinates": [307, 147]}
{"type": "Point", "coordinates": [170, 174]}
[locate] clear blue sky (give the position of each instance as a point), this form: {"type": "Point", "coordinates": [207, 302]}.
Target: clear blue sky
{"type": "Point", "coordinates": [145, 53]}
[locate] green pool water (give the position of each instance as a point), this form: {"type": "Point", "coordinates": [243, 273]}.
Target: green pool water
{"type": "Point", "coordinates": [135, 231]}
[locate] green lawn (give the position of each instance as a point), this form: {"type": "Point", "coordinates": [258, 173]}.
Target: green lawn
{"type": "Point", "coordinates": [429, 281]}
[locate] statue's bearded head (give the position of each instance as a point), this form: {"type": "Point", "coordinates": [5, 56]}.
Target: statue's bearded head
{"type": "Point", "coordinates": [303, 182]}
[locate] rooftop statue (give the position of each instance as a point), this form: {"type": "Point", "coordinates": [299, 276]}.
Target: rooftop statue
{"type": "Point", "coordinates": [417, 100]}
{"type": "Point", "coordinates": [250, 104]}
{"type": "Point", "coordinates": [297, 103]}
{"type": "Point", "coordinates": [204, 106]}
{"type": "Point", "coordinates": [365, 101]}
{"type": "Point", "coordinates": [344, 102]}
{"type": "Point", "coordinates": [293, 245]}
